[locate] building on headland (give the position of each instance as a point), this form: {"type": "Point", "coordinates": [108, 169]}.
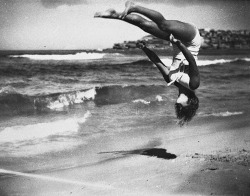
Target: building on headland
{"type": "Point", "coordinates": [221, 39]}
{"type": "Point", "coordinates": [211, 39]}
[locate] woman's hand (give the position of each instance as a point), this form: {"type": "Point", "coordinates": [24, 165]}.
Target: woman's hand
{"type": "Point", "coordinates": [173, 40]}
{"type": "Point", "coordinates": [141, 44]}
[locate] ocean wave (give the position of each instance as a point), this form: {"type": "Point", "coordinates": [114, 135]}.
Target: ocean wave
{"type": "Point", "coordinates": [42, 130]}
{"type": "Point", "coordinates": [200, 62]}
{"type": "Point", "coordinates": [43, 137]}
{"type": "Point", "coordinates": [246, 59]}
{"type": "Point", "coordinates": [67, 99]}
{"type": "Point", "coordinates": [222, 114]}
{"type": "Point", "coordinates": [142, 61]}
{"type": "Point", "coordinates": [77, 56]}
{"type": "Point", "coordinates": [126, 94]}
{"type": "Point", "coordinates": [12, 102]}
{"type": "Point", "coordinates": [221, 61]}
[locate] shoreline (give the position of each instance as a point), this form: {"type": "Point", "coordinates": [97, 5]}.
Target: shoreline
{"type": "Point", "coordinates": [211, 158]}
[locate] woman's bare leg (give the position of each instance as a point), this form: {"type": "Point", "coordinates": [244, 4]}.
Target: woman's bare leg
{"type": "Point", "coordinates": [147, 26]}
{"type": "Point", "coordinates": [182, 31]}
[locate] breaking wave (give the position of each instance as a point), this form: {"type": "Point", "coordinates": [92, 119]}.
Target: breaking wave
{"type": "Point", "coordinates": [77, 56]}
{"type": "Point", "coordinates": [42, 130]}
{"type": "Point", "coordinates": [11, 102]}
{"type": "Point", "coordinates": [43, 137]}
{"type": "Point", "coordinates": [221, 61]}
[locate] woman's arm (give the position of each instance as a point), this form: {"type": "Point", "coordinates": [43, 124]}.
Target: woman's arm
{"type": "Point", "coordinates": [156, 60]}
{"type": "Point", "coordinates": [193, 69]}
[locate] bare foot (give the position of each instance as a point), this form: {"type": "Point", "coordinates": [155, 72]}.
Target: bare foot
{"type": "Point", "coordinates": [128, 7]}
{"type": "Point", "coordinates": [110, 13]}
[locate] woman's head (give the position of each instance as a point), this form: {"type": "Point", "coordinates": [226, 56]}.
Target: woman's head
{"type": "Point", "coordinates": [186, 107]}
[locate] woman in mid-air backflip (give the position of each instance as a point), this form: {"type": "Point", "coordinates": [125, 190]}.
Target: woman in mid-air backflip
{"type": "Point", "coordinates": [186, 43]}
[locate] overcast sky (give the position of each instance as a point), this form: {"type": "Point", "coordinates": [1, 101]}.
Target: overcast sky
{"type": "Point", "coordinates": [69, 24]}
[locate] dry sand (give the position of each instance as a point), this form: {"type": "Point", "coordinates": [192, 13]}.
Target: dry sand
{"type": "Point", "coordinates": [210, 159]}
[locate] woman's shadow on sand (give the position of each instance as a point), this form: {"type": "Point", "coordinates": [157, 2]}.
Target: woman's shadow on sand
{"type": "Point", "coordinates": [153, 152]}
{"type": "Point", "coordinates": [159, 153]}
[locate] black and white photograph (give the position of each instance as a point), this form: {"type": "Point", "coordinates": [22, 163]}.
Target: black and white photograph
{"type": "Point", "coordinates": [124, 98]}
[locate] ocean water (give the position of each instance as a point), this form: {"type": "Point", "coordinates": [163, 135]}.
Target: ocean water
{"type": "Point", "coordinates": [60, 109]}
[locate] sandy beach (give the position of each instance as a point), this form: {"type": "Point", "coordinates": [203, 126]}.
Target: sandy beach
{"type": "Point", "coordinates": [199, 159]}
{"type": "Point", "coordinates": [85, 111]}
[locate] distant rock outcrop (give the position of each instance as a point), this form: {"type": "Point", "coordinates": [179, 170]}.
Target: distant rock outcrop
{"type": "Point", "coordinates": [211, 39]}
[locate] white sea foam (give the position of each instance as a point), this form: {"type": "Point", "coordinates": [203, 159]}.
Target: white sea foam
{"type": "Point", "coordinates": [223, 114]}
{"type": "Point", "coordinates": [246, 59]}
{"type": "Point", "coordinates": [141, 101]}
{"type": "Point", "coordinates": [7, 90]}
{"type": "Point", "coordinates": [215, 61]}
{"type": "Point", "coordinates": [67, 99]}
{"type": "Point", "coordinates": [159, 98]}
{"type": "Point", "coordinates": [77, 56]}
{"type": "Point", "coordinates": [42, 130]}
{"type": "Point", "coordinates": [227, 113]}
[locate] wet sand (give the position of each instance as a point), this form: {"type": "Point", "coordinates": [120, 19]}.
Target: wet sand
{"type": "Point", "coordinates": [199, 159]}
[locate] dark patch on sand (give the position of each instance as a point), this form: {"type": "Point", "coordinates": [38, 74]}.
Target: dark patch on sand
{"type": "Point", "coordinates": [240, 157]}
{"type": "Point", "coordinates": [153, 152]}
{"type": "Point", "coordinates": [159, 153]}
{"type": "Point", "coordinates": [210, 169]}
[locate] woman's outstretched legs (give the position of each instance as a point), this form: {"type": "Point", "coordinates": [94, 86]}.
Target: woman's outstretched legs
{"type": "Point", "coordinates": [147, 26]}
{"type": "Point", "coordinates": [182, 31]}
